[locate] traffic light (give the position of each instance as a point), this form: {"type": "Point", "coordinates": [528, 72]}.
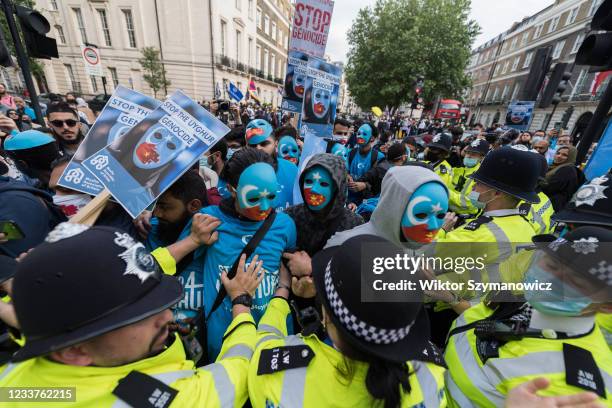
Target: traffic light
{"type": "Point", "coordinates": [5, 55]}
{"type": "Point", "coordinates": [34, 27]}
{"type": "Point", "coordinates": [595, 50]}
{"type": "Point", "coordinates": [557, 84]}
{"type": "Point", "coordinates": [537, 74]}
{"type": "Point", "coordinates": [566, 116]}
{"type": "Point", "coordinates": [420, 82]}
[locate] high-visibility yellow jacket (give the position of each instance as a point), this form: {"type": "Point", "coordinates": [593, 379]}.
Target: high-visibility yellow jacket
{"type": "Point", "coordinates": [458, 200]}
{"type": "Point", "coordinates": [539, 214]}
{"type": "Point", "coordinates": [319, 384]}
{"type": "Point", "coordinates": [473, 383]}
{"type": "Point", "coordinates": [222, 384]}
{"type": "Point", "coordinates": [445, 171]}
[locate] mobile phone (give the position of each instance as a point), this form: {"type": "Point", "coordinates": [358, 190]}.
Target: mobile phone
{"type": "Point", "coordinates": [11, 230]}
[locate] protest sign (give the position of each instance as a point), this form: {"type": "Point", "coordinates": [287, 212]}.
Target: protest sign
{"type": "Point", "coordinates": [519, 115]}
{"type": "Point", "coordinates": [123, 111]}
{"type": "Point", "coordinates": [138, 167]}
{"type": "Point", "coordinates": [311, 22]}
{"type": "Point", "coordinates": [599, 163]}
{"type": "Point", "coordinates": [295, 79]}
{"type": "Point", "coordinates": [318, 110]}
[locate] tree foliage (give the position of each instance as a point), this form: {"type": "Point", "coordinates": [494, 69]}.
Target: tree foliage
{"type": "Point", "coordinates": [394, 41]}
{"type": "Point", "coordinates": [154, 72]}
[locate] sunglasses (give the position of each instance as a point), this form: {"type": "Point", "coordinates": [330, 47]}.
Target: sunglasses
{"type": "Point", "coordinates": [68, 122]}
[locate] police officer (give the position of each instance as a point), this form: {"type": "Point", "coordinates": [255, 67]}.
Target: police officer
{"type": "Point", "coordinates": [494, 347]}
{"type": "Point", "coordinates": [459, 201]}
{"type": "Point", "coordinates": [377, 353]}
{"type": "Point", "coordinates": [94, 308]}
{"type": "Point", "coordinates": [436, 154]}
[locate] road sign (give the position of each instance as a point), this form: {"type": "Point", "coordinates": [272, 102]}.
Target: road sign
{"type": "Point", "coordinates": [91, 57]}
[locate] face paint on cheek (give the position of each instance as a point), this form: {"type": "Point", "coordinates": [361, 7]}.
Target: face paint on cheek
{"type": "Point", "coordinates": [319, 188]}
{"type": "Point", "coordinates": [256, 191]}
{"type": "Point", "coordinates": [424, 214]}
{"type": "Point", "coordinates": [288, 149]}
{"type": "Point", "coordinates": [364, 134]}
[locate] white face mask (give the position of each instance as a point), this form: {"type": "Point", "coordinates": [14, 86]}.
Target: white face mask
{"type": "Point", "coordinates": [71, 203]}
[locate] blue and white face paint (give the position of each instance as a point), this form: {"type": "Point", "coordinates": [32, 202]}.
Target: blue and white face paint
{"type": "Point", "coordinates": [256, 191]}
{"type": "Point", "coordinates": [319, 188]}
{"type": "Point", "coordinates": [339, 149]}
{"type": "Point", "coordinates": [156, 148]}
{"type": "Point", "coordinates": [288, 149]}
{"type": "Point", "coordinates": [424, 214]}
{"type": "Point", "coordinates": [364, 134]}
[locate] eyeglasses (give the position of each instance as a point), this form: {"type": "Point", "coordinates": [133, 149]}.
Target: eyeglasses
{"type": "Point", "coordinates": [68, 122]}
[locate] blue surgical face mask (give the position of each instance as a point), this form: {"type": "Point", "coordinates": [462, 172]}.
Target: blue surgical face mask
{"type": "Point", "coordinates": [470, 162]}
{"type": "Point", "coordinates": [474, 197]}
{"type": "Point", "coordinates": [319, 188]}
{"type": "Point", "coordinates": [256, 191]}
{"type": "Point", "coordinates": [230, 152]}
{"type": "Point", "coordinates": [561, 300]}
{"type": "Point", "coordinates": [364, 134]}
{"type": "Point", "coordinates": [288, 149]}
{"type": "Point", "coordinates": [424, 214]}
{"type": "Point", "coordinates": [204, 162]}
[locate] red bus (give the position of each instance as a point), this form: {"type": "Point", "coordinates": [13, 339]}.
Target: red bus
{"type": "Point", "coordinates": [448, 109]}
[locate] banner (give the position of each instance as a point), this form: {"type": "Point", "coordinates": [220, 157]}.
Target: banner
{"type": "Point", "coordinates": [519, 115]}
{"type": "Point", "coordinates": [123, 111]}
{"type": "Point", "coordinates": [234, 92]}
{"type": "Point", "coordinates": [599, 163]}
{"type": "Point", "coordinates": [138, 167]}
{"type": "Point", "coordinates": [318, 110]}
{"type": "Point", "coordinates": [295, 80]}
{"type": "Point", "coordinates": [311, 22]}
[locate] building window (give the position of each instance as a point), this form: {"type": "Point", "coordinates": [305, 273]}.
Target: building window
{"type": "Point", "coordinates": [258, 21]}
{"type": "Point", "coordinates": [238, 45]}
{"type": "Point", "coordinates": [515, 64]}
{"type": "Point", "coordinates": [496, 71]}
{"type": "Point", "coordinates": [525, 38]}
{"type": "Point", "coordinates": [495, 94]}
{"type": "Point", "coordinates": [258, 58]}
{"type": "Point", "coordinates": [558, 49]}
{"type": "Point", "coordinates": [506, 66]}
{"type": "Point", "coordinates": [594, 6]}
{"type": "Point", "coordinates": [266, 62]}
{"type": "Point", "coordinates": [571, 17]}
{"type": "Point", "coordinates": [273, 65]}
{"type": "Point", "coordinates": [553, 24]}
{"type": "Point", "coordinates": [267, 24]}
{"type": "Point", "coordinates": [538, 31]}
{"type": "Point", "coordinates": [514, 41]}
{"type": "Point", "coordinates": [250, 9]}
{"type": "Point", "coordinates": [105, 29]}
{"type": "Point", "coordinates": [505, 92]}
{"type": "Point", "coordinates": [250, 52]}
{"type": "Point", "coordinates": [223, 37]}
{"type": "Point", "coordinates": [273, 31]}
{"type": "Point", "coordinates": [60, 34]}
{"type": "Point", "coordinates": [238, 4]}
{"type": "Point", "coordinates": [71, 77]}
{"type": "Point", "coordinates": [129, 25]}
{"type": "Point", "coordinates": [80, 24]}
{"type": "Point", "coordinates": [515, 92]}
{"type": "Point", "coordinates": [528, 58]}
{"type": "Point", "coordinates": [94, 83]}
{"type": "Point", "coordinates": [114, 76]}
{"type": "Point", "coordinates": [54, 5]}
{"type": "Point", "coordinates": [578, 43]}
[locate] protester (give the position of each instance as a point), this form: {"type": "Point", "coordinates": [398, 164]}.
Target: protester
{"type": "Point", "coordinates": [6, 99]}
{"type": "Point", "coordinates": [541, 146]}
{"type": "Point", "coordinates": [562, 179]}
{"type": "Point", "coordinates": [66, 127]}
{"type": "Point", "coordinates": [362, 158]}
{"type": "Point", "coordinates": [474, 154]}
{"type": "Point", "coordinates": [33, 153]}
{"type": "Point", "coordinates": [288, 148]}
{"type": "Point", "coordinates": [342, 130]}
{"type": "Point", "coordinates": [370, 183]}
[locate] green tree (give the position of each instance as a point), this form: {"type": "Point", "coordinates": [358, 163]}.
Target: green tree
{"type": "Point", "coordinates": [155, 74]}
{"type": "Point", "coordinates": [394, 41]}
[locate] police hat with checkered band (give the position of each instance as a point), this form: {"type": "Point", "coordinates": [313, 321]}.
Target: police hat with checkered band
{"type": "Point", "coordinates": [585, 250]}
{"type": "Point", "coordinates": [591, 204]}
{"type": "Point", "coordinates": [442, 141]}
{"type": "Point", "coordinates": [478, 146]}
{"type": "Point", "coordinates": [83, 282]}
{"type": "Point", "coordinates": [393, 330]}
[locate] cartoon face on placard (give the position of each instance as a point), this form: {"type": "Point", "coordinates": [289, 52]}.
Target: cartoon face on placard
{"type": "Point", "coordinates": [118, 130]}
{"type": "Point", "coordinates": [424, 214]}
{"type": "Point", "coordinates": [156, 148]}
{"type": "Point", "coordinates": [298, 84]}
{"type": "Point", "coordinates": [256, 191]}
{"type": "Point", "coordinates": [321, 100]}
{"type": "Point", "coordinates": [288, 149]}
{"type": "Point", "coordinates": [319, 188]}
{"type": "Point", "coordinates": [364, 134]}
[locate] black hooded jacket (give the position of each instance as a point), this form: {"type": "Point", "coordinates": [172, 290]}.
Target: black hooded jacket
{"type": "Point", "coordinates": [314, 228]}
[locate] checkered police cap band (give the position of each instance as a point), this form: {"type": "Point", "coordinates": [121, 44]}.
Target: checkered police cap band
{"type": "Point", "coordinates": [602, 272]}
{"type": "Point", "coordinates": [361, 329]}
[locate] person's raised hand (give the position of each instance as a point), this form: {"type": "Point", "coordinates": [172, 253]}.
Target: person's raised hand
{"type": "Point", "coordinates": [247, 279]}
{"type": "Point", "coordinates": [143, 223]}
{"type": "Point", "coordinates": [299, 263]}
{"type": "Point", "coordinates": [303, 287]}
{"type": "Point", "coordinates": [525, 396]}
{"type": "Point", "coordinates": [7, 124]}
{"type": "Point", "coordinates": [203, 228]}
{"type": "Point", "coordinates": [450, 219]}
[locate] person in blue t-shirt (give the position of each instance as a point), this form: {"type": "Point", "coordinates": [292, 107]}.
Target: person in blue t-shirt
{"type": "Point", "coordinates": [253, 185]}
{"type": "Point", "coordinates": [362, 158]}
{"type": "Point", "coordinates": [259, 134]}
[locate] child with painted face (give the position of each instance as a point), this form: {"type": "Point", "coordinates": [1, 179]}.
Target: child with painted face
{"type": "Point", "coordinates": [260, 135]}
{"type": "Point", "coordinates": [411, 209]}
{"type": "Point", "coordinates": [253, 187]}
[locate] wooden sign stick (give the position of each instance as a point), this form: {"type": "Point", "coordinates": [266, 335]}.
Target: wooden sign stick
{"type": "Point", "coordinates": [90, 213]}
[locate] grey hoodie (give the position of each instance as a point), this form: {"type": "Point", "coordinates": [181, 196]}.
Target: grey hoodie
{"type": "Point", "coordinates": [397, 188]}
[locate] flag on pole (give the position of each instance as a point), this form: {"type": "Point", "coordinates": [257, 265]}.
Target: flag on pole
{"type": "Point", "coordinates": [234, 92]}
{"type": "Point", "coordinates": [253, 91]}
{"type": "Point", "coordinates": [217, 91]}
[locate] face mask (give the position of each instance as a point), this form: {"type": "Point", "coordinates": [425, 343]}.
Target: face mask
{"type": "Point", "coordinates": [320, 102]}
{"type": "Point", "coordinates": [319, 188]}
{"type": "Point", "coordinates": [257, 131]}
{"type": "Point", "coordinates": [71, 203]}
{"type": "Point", "coordinates": [474, 197]}
{"type": "Point", "coordinates": [204, 162]}
{"type": "Point", "coordinates": [230, 152]}
{"type": "Point", "coordinates": [364, 134]}
{"type": "Point", "coordinates": [157, 147]}
{"type": "Point", "coordinates": [256, 191]}
{"type": "Point", "coordinates": [424, 214]}
{"type": "Point", "coordinates": [561, 300]}
{"type": "Point", "coordinates": [288, 149]}
{"type": "Point", "coordinates": [470, 162]}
